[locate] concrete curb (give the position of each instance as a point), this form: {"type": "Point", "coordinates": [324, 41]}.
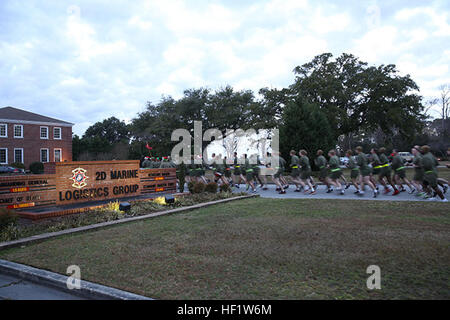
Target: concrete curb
{"type": "Point", "coordinates": [44, 236]}
{"type": "Point", "coordinates": [88, 290]}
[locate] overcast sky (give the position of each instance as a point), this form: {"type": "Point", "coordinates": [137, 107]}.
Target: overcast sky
{"type": "Point", "coordinates": [84, 61]}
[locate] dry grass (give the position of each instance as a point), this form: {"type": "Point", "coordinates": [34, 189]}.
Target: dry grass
{"type": "Point", "coordinates": [266, 249]}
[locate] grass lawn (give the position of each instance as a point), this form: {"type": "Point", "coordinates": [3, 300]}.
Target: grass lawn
{"type": "Point", "coordinates": [265, 249]}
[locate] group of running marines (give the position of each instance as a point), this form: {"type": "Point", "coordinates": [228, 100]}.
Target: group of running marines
{"type": "Point", "coordinates": [372, 170]}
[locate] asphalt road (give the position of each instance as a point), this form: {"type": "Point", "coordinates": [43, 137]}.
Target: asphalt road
{"type": "Point", "coordinates": [321, 194]}
{"type": "Point", "coordinates": [14, 288]}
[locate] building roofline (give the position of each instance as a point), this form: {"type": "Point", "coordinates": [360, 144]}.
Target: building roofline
{"type": "Point", "coordinates": [15, 114]}
{"type": "Point", "coordinates": [61, 124]}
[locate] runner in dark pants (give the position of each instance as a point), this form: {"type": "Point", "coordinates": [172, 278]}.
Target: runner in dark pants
{"type": "Point", "coordinates": [354, 169]}
{"type": "Point", "coordinates": [321, 163]}
{"type": "Point", "coordinates": [430, 178]}
{"type": "Point", "coordinates": [237, 171]}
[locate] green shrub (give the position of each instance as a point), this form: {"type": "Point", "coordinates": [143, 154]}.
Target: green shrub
{"type": "Point", "coordinates": [7, 218]}
{"type": "Point", "coordinates": [199, 187]}
{"type": "Point", "coordinates": [225, 187]}
{"type": "Point", "coordinates": [211, 187]}
{"type": "Point", "coordinates": [9, 233]}
{"type": "Point", "coordinates": [37, 167]}
{"type": "Point", "coordinates": [18, 165]}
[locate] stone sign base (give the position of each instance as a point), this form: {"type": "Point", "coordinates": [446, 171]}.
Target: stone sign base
{"type": "Point", "coordinates": [35, 214]}
{"type": "Point", "coordinates": [68, 187]}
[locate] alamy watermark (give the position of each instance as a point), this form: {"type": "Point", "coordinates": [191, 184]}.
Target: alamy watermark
{"type": "Point", "coordinates": [192, 153]}
{"type": "Point", "coordinates": [374, 281]}
{"type": "Point", "coordinates": [74, 281]}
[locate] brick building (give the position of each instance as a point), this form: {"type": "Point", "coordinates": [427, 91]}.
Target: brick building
{"type": "Point", "coordinates": [27, 137]}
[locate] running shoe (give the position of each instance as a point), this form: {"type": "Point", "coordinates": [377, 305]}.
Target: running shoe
{"type": "Point", "coordinates": [396, 192]}
{"type": "Point", "coordinates": [412, 191]}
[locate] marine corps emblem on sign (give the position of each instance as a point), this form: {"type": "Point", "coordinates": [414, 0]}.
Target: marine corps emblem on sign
{"type": "Point", "coordinates": [79, 178]}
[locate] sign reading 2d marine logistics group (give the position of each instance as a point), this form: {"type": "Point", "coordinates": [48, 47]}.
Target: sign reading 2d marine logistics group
{"type": "Point", "coordinates": [96, 180]}
{"type": "Point", "coordinates": [79, 182]}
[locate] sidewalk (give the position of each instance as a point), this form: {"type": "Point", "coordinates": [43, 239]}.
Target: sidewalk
{"type": "Point", "coordinates": [16, 288]}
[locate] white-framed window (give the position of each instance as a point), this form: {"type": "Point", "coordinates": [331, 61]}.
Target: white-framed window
{"type": "Point", "coordinates": [44, 155]}
{"type": "Point", "coordinates": [3, 130]}
{"type": "Point", "coordinates": [3, 155]}
{"type": "Point", "coordinates": [18, 155]}
{"type": "Point", "coordinates": [57, 133]}
{"type": "Point", "coordinates": [58, 154]}
{"type": "Point", "coordinates": [18, 131]}
{"type": "Point", "coordinates": [44, 132]}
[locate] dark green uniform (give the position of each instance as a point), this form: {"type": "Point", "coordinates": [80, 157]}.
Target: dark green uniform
{"type": "Point", "coordinates": [361, 161]}
{"type": "Point", "coordinates": [335, 170]}
{"type": "Point", "coordinates": [237, 167]}
{"type": "Point", "coordinates": [429, 166]}
{"type": "Point", "coordinates": [321, 163]}
{"type": "Point", "coordinates": [165, 164]}
{"type": "Point", "coordinates": [191, 169]}
{"type": "Point", "coordinates": [248, 169]}
{"type": "Point", "coordinates": [146, 163]}
{"type": "Point", "coordinates": [418, 168]}
{"type": "Point", "coordinates": [295, 170]}
{"type": "Point", "coordinates": [385, 170]}
{"type": "Point", "coordinates": [354, 170]}
{"type": "Point", "coordinates": [376, 164]}
{"type": "Point", "coordinates": [198, 168]}
{"type": "Point", "coordinates": [280, 167]}
{"type": "Point", "coordinates": [256, 168]}
{"type": "Point", "coordinates": [227, 169]}
{"type": "Point", "coordinates": [305, 168]}
{"type": "Point", "coordinates": [398, 167]}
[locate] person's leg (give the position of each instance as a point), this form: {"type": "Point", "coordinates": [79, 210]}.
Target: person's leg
{"type": "Point", "coordinates": [294, 178]}
{"type": "Point", "coordinates": [361, 184]}
{"type": "Point", "coordinates": [382, 181]}
{"type": "Point", "coordinates": [444, 184]}
{"type": "Point", "coordinates": [251, 181]}
{"type": "Point", "coordinates": [355, 184]}
{"type": "Point", "coordinates": [410, 186]}
{"type": "Point", "coordinates": [402, 177]}
{"type": "Point", "coordinates": [278, 183]}
{"type": "Point", "coordinates": [372, 180]}
{"type": "Point", "coordinates": [264, 180]}
{"type": "Point", "coordinates": [311, 178]}
{"type": "Point", "coordinates": [311, 186]}
{"type": "Point", "coordinates": [283, 180]}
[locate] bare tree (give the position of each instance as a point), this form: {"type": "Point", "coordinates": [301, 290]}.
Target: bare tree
{"type": "Point", "coordinates": [444, 104]}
